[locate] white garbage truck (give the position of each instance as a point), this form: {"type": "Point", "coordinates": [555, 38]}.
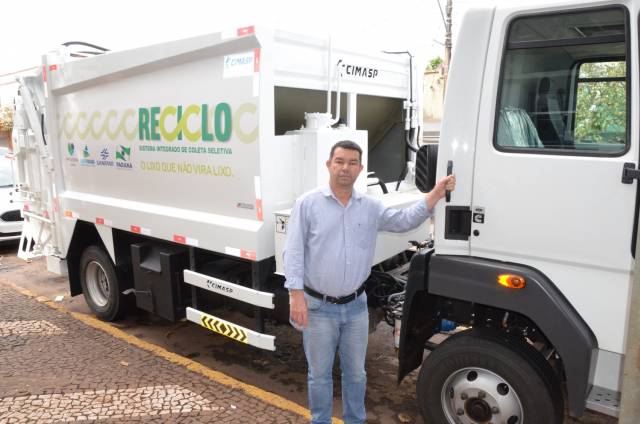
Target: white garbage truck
{"type": "Point", "coordinates": [163, 175]}
{"type": "Point", "coordinates": [534, 251]}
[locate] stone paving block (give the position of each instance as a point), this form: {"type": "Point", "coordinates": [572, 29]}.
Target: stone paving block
{"type": "Point", "coordinates": [57, 369]}
{"type": "Point", "coordinates": [28, 327]}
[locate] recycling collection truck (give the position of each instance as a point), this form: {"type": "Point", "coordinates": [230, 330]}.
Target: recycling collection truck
{"type": "Point", "coordinates": [165, 175]}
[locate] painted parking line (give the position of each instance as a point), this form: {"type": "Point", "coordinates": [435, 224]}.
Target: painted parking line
{"type": "Point", "coordinates": [103, 404]}
{"type": "Point", "coordinates": [26, 328]}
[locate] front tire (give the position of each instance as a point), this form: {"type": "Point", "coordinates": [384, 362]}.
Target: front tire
{"type": "Point", "coordinates": [100, 284]}
{"type": "Point", "coordinates": [478, 376]}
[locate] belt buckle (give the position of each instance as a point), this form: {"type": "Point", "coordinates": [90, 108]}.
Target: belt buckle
{"type": "Point", "coordinates": [344, 299]}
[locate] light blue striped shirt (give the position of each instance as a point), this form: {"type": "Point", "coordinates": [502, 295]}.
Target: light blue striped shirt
{"type": "Point", "coordinates": [330, 247]}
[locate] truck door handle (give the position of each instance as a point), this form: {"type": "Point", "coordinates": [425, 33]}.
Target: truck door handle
{"type": "Point", "coordinates": [630, 173]}
{"type": "Point", "coordinates": [449, 172]}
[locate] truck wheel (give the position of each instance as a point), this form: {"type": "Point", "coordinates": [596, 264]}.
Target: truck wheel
{"type": "Point", "coordinates": [100, 284]}
{"type": "Point", "coordinates": [481, 377]}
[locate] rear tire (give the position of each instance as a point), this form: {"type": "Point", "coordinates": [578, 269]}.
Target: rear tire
{"type": "Point", "coordinates": [482, 376]}
{"type": "Point", "coordinates": [100, 285]}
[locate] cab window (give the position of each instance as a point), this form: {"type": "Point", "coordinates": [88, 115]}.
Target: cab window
{"type": "Point", "coordinates": [564, 85]}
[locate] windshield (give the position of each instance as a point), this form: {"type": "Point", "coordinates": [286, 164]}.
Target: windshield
{"type": "Point", "coordinates": [6, 174]}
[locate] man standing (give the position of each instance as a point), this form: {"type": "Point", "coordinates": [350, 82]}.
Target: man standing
{"type": "Point", "coordinates": [327, 258]}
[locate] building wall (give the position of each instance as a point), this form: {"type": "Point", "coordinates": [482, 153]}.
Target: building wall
{"type": "Point", "coordinates": [433, 105]}
{"type": "Point", "coordinates": [433, 96]}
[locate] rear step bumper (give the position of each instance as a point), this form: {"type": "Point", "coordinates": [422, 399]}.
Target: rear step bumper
{"type": "Point", "coordinates": [233, 331]}
{"type": "Point", "coordinates": [226, 288]}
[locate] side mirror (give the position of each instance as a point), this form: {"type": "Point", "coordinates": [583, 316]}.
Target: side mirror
{"type": "Point", "coordinates": [426, 164]}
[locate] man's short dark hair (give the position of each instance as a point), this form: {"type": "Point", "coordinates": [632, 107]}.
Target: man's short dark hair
{"type": "Point", "coordinates": [348, 145]}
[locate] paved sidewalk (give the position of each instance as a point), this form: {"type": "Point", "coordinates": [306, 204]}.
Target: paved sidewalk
{"type": "Point", "coordinates": [54, 368]}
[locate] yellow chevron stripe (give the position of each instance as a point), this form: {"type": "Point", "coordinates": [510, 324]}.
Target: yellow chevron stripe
{"type": "Point", "coordinates": [224, 328]}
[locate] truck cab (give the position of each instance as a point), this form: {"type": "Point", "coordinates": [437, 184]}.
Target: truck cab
{"type": "Point", "coordinates": [534, 250]}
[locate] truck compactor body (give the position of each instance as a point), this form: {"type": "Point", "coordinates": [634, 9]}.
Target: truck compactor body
{"type": "Point", "coordinates": [163, 175]}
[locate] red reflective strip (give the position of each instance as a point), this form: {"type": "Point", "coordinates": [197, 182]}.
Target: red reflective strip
{"type": "Point", "coordinates": [45, 214]}
{"type": "Point", "coordinates": [26, 207]}
{"type": "Point", "coordinates": [256, 60]}
{"type": "Point", "coordinates": [100, 221]}
{"type": "Point", "coordinates": [259, 209]}
{"type": "Point", "coordinates": [246, 31]}
{"type": "Point", "coordinates": [53, 67]}
{"type": "Point", "coordinates": [179, 239]}
{"type": "Point", "coordinates": [135, 229]}
{"type": "Point", "coordinates": [44, 74]}
{"type": "Point", "coordinates": [248, 254]}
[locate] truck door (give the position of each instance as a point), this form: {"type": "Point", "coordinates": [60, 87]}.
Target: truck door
{"type": "Point", "coordinates": [554, 136]}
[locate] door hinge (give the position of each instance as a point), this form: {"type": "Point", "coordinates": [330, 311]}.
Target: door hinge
{"type": "Point", "coordinates": [630, 173]}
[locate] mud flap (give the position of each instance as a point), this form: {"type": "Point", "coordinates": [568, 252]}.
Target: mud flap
{"type": "Point", "coordinates": [419, 316]}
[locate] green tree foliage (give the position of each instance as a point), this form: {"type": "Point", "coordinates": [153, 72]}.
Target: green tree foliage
{"type": "Point", "coordinates": [601, 105]}
{"type": "Point", "coordinates": [6, 118]}
{"type": "Point", "coordinates": [434, 63]}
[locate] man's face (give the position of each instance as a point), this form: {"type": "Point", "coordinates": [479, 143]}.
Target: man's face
{"type": "Point", "coordinates": [344, 167]}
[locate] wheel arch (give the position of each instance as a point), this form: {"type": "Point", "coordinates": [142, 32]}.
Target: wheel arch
{"type": "Point", "coordinates": [84, 234]}
{"type": "Point", "coordinates": [439, 282]}
{"type": "Point", "coordinates": [504, 358]}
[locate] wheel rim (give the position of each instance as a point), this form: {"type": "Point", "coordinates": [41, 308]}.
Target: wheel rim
{"type": "Point", "coordinates": [97, 283]}
{"type": "Point", "coordinates": [477, 395]}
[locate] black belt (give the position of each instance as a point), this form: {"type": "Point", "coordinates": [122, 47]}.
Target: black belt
{"type": "Point", "coordinates": [335, 300]}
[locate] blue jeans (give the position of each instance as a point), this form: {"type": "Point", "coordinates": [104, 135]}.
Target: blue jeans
{"type": "Point", "coordinates": [346, 328]}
